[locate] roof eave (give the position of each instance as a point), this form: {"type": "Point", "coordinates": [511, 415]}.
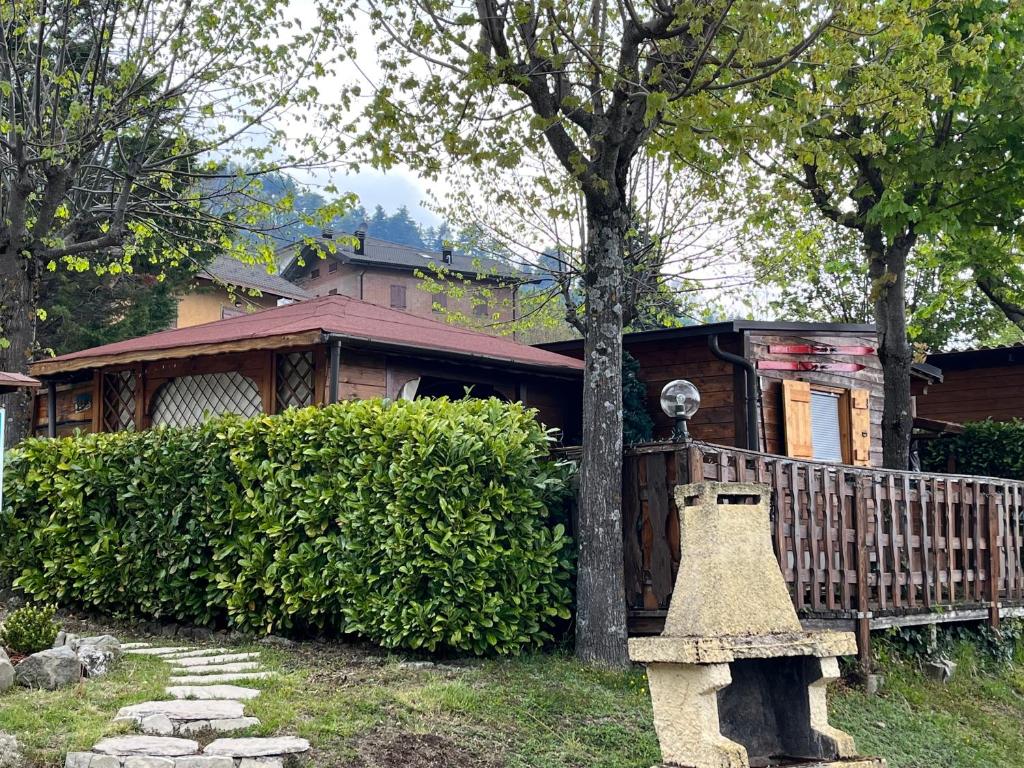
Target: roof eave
{"type": "Point", "coordinates": [57, 366]}
{"type": "Point", "coordinates": [262, 290]}
{"type": "Point", "coordinates": [726, 326]}
{"type": "Point", "coordinates": [452, 354]}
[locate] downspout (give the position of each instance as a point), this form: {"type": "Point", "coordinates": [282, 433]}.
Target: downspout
{"type": "Point", "coordinates": [51, 408]}
{"type": "Point", "coordinates": [335, 373]}
{"type": "Point", "coordinates": [750, 380]}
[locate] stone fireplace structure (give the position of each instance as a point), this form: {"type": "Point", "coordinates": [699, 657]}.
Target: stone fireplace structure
{"type": "Point", "coordinates": [735, 680]}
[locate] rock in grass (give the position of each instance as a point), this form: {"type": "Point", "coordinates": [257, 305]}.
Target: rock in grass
{"type": "Point", "coordinates": [6, 672]}
{"type": "Point", "coordinates": [940, 670]}
{"type": "Point", "coordinates": [10, 751]}
{"type": "Point", "coordinates": [50, 669]}
{"type": "Point", "coordinates": [97, 660]}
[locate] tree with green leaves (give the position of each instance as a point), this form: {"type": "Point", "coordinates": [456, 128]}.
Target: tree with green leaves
{"type": "Point", "coordinates": [909, 131]}
{"type": "Point", "coordinates": [815, 271]}
{"type": "Point", "coordinates": [594, 88]}
{"type": "Point", "coordinates": [116, 117]}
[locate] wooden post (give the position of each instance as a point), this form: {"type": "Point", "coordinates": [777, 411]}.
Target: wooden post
{"type": "Point", "coordinates": [861, 547]}
{"type": "Point", "coordinates": [992, 513]}
{"type": "Point", "coordinates": [334, 376]}
{"type": "Point", "coordinates": [51, 408]}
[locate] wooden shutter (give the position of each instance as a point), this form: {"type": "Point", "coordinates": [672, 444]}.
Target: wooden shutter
{"type": "Point", "coordinates": [398, 296]}
{"type": "Point", "coordinates": [860, 427]}
{"type": "Point", "coordinates": [796, 411]}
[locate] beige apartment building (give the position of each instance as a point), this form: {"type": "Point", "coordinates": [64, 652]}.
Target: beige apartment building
{"type": "Point", "coordinates": [227, 287]}
{"type": "Point", "coordinates": [386, 273]}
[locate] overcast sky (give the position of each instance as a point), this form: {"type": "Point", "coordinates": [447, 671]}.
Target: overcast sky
{"type": "Point", "coordinates": [399, 186]}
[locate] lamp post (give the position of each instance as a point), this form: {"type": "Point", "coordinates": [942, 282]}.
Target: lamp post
{"type": "Point", "coordinates": [680, 400]}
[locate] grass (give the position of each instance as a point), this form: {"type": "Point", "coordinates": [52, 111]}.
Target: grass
{"type": "Point", "coordinates": [362, 710]}
{"type": "Point", "coordinates": [975, 721]}
{"type": "Point", "coordinates": [51, 723]}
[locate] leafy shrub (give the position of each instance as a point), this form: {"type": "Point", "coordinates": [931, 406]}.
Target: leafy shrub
{"type": "Point", "coordinates": [988, 448]}
{"type": "Point", "coordinates": [990, 646]}
{"type": "Point", "coordinates": [416, 525]}
{"type": "Point", "coordinates": [29, 630]}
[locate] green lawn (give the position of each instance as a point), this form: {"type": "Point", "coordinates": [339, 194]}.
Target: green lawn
{"type": "Point", "coordinates": [362, 710]}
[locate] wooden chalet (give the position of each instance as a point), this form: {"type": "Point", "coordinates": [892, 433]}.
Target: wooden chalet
{"type": "Point", "coordinates": [798, 406]}
{"type": "Point", "coordinates": [308, 353]}
{"type": "Point", "coordinates": [805, 390]}
{"type": "Point", "coordinates": [977, 384]}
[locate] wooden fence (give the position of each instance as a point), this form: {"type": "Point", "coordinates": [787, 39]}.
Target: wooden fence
{"type": "Point", "coordinates": [859, 547]}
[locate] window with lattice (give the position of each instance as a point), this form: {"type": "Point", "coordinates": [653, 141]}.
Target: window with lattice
{"type": "Point", "coordinates": [295, 380]}
{"type": "Point", "coordinates": [190, 400]}
{"type": "Point", "coordinates": [119, 401]}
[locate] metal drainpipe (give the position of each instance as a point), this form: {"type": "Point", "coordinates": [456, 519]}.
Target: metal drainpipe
{"type": "Point", "coordinates": [335, 374]}
{"type": "Point", "coordinates": [750, 379]}
{"type": "Point", "coordinates": [51, 409]}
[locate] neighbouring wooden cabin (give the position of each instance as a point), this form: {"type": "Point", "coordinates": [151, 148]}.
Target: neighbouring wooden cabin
{"type": "Point", "coordinates": [308, 353]}
{"type": "Point", "coordinates": [804, 390]}
{"type": "Point", "coordinates": [977, 384]}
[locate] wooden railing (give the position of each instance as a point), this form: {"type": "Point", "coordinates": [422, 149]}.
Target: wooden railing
{"type": "Point", "coordinates": [871, 546]}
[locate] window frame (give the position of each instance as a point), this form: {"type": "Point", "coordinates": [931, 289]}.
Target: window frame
{"type": "Point", "coordinates": [842, 397]}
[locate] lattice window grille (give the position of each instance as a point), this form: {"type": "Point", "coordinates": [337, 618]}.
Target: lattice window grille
{"type": "Point", "coordinates": [295, 380]}
{"type": "Point", "coordinates": [119, 401]}
{"type": "Point", "coordinates": [189, 400]}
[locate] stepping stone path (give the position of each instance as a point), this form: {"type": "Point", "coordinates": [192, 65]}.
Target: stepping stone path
{"type": "Point", "coordinates": [215, 679]}
{"type": "Point", "coordinates": [202, 698]}
{"type": "Point", "coordinates": [217, 669]}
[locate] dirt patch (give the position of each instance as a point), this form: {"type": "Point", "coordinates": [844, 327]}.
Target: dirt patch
{"type": "Point", "coordinates": [396, 749]}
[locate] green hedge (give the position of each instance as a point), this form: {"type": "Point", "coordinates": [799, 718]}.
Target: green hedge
{"type": "Point", "coordinates": [988, 448]}
{"type": "Point", "coordinates": [416, 525]}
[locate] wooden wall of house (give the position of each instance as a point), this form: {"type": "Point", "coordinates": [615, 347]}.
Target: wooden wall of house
{"type": "Point", "coordinates": [719, 419]}
{"type": "Point", "coordinates": [772, 427]}
{"type": "Point", "coordinates": [74, 409]}
{"type": "Point", "coordinates": [973, 394]}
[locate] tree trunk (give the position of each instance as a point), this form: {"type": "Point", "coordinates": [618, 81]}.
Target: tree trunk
{"type": "Point", "coordinates": [601, 592]}
{"type": "Point", "coordinates": [887, 269]}
{"type": "Point", "coordinates": [18, 328]}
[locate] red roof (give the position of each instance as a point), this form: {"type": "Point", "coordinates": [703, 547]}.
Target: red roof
{"type": "Point", "coordinates": [12, 381]}
{"type": "Point", "coordinates": [358, 322]}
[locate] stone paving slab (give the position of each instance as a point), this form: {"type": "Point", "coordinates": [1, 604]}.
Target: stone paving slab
{"type": "Point", "coordinates": [191, 679]}
{"type": "Point", "coordinates": [159, 746]}
{"type": "Point", "coordinates": [218, 669]}
{"type": "Point", "coordinates": [211, 692]}
{"type": "Point", "coordinates": [257, 747]}
{"type": "Point", "coordinates": [187, 709]}
{"type": "Point", "coordinates": [205, 661]}
{"type": "Point", "coordinates": [200, 652]}
{"type": "Point", "coordinates": [91, 760]}
{"type": "Point", "coordinates": [155, 651]}
{"type": "Point", "coordinates": [226, 725]}
{"type": "Point", "coordinates": [130, 646]}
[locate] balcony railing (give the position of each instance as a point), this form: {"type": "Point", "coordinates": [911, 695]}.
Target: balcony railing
{"type": "Point", "coordinates": [860, 546]}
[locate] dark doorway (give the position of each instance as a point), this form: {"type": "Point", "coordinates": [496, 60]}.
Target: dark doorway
{"type": "Point", "coordinates": [432, 386]}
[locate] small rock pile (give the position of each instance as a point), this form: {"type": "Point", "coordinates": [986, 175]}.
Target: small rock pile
{"type": "Point", "coordinates": [71, 658]}
{"type": "Point", "coordinates": [202, 699]}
